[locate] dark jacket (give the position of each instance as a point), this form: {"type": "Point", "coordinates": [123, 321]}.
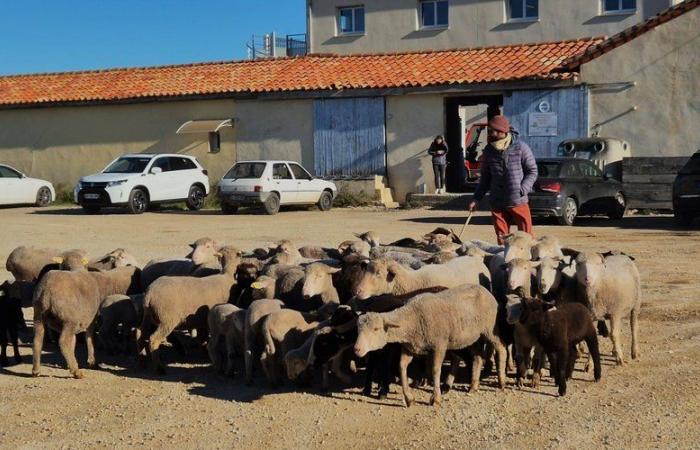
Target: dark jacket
{"type": "Point", "coordinates": [439, 153]}
{"type": "Point", "coordinates": [508, 175]}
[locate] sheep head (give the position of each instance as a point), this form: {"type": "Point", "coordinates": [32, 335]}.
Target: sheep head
{"type": "Point", "coordinates": [369, 237]}
{"type": "Point", "coordinates": [549, 273]}
{"type": "Point", "coordinates": [519, 272]}
{"type": "Point", "coordinates": [371, 333]}
{"type": "Point", "coordinates": [376, 278]}
{"type": "Point", "coordinates": [318, 277]}
{"type": "Point", "coordinates": [589, 268]}
{"type": "Point", "coordinates": [204, 251]}
{"type": "Point", "coordinates": [533, 310]}
{"type": "Point", "coordinates": [72, 260]}
{"type": "Point", "coordinates": [229, 257]}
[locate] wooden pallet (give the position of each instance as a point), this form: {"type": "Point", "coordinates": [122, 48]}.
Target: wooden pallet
{"type": "Point", "coordinates": [648, 181]}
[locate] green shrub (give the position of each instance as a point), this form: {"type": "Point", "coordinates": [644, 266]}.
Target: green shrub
{"type": "Point", "coordinates": [64, 194]}
{"type": "Point", "coordinates": [346, 198]}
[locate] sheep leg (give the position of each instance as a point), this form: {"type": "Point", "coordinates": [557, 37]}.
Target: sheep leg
{"type": "Point", "coordinates": [454, 367]}
{"type": "Point", "coordinates": [213, 350]}
{"type": "Point", "coordinates": [66, 342]}
{"type": "Point", "coordinates": [522, 358]}
{"type": "Point", "coordinates": [141, 334]}
{"type": "Point", "coordinates": [325, 382]}
{"type": "Point", "coordinates": [615, 325]}
{"type": "Point", "coordinates": [571, 362]}
{"type": "Point", "coordinates": [404, 361]}
{"type": "Point", "coordinates": [90, 343]}
{"type": "Point", "coordinates": [561, 369]}
{"type": "Point", "coordinates": [501, 361]}
{"type": "Point", "coordinates": [477, 364]}
{"type": "Point", "coordinates": [537, 365]}
{"type": "Point", "coordinates": [154, 343]}
{"type": "Point", "coordinates": [438, 358]}
{"type": "Point", "coordinates": [369, 372]}
{"type": "Point", "coordinates": [385, 374]}
{"type": "Point", "coordinates": [337, 369]}
{"type": "Point", "coordinates": [230, 353]}
{"type": "Point", "coordinates": [594, 351]}
{"type": "Point", "coordinates": [634, 325]}
{"type": "Point", "coordinates": [15, 345]}
{"type": "Point", "coordinates": [3, 347]}
{"type": "Point", "coordinates": [37, 345]}
{"type": "Point", "coordinates": [510, 367]}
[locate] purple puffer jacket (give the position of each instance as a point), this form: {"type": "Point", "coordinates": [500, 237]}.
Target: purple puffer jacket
{"type": "Point", "coordinates": [509, 175]}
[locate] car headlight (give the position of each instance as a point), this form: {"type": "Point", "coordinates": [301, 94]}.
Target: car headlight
{"type": "Point", "coordinates": [116, 183]}
{"type": "Point", "coordinates": [79, 186]}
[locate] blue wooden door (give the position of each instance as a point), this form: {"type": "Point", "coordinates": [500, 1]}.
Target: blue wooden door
{"type": "Point", "coordinates": [349, 137]}
{"type": "Point", "coordinates": [528, 110]}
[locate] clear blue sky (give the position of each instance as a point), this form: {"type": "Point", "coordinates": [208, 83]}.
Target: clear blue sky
{"type": "Point", "coordinates": [62, 35]}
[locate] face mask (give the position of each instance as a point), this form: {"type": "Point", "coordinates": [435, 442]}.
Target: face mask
{"type": "Point", "coordinates": [502, 144]}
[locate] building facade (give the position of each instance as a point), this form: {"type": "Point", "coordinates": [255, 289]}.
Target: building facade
{"type": "Point", "coordinates": [385, 26]}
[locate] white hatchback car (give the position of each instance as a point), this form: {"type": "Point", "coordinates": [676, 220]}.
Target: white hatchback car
{"type": "Point", "coordinates": [18, 189]}
{"type": "Point", "coordinates": [137, 181]}
{"type": "Point", "coordinates": [271, 184]}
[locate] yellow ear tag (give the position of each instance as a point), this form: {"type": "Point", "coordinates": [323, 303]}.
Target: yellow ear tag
{"type": "Point", "coordinates": [85, 261]}
{"type": "Point", "coordinates": [256, 285]}
{"type": "Point", "coordinates": [57, 259]}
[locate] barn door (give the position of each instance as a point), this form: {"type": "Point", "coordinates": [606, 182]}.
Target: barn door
{"type": "Point", "coordinates": [544, 118]}
{"type": "Point", "coordinates": [349, 137]}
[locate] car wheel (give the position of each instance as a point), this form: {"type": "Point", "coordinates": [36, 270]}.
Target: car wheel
{"type": "Point", "coordinates": [618, 210]}
{"type": "Point", "coordinates": [138, 201]}
{"type": "Point", "coordinates": [272, 204]}
{"type": "Point", "coordinates": [325, 203]}
{"type": "Point", "coordinates": [195, 199]}
{"type": "Point", "coordinates": [91, 209]}
{"type": "Point", "coordinates": [227, 208]}
{"type": "Point", "coordinates": [569, 212]}
{"type": "Point", "coordinates": [681, 219]}
{"type": "Point", "coordinates": [43, 196]}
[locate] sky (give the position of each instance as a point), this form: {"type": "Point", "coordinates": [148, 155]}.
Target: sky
{"type": "Point", "coordinates": [62, 35]}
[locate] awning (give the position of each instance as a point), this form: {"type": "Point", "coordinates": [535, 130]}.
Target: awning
{"type": "Point", "coordinates": [204, 126]}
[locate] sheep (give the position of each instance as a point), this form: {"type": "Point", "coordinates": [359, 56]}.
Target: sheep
{"type": "Point", "coordinates": [555, 285]}
{"type": "Point", "coordinates": [117, 310]}
{"type": "Point", "coordinates": [29, 263]}
{"type": "Point", "coordinates": [10, 318]}
{"type": "Point", "coordinates": [518, 245]}
{"type": "Point", "coordinates": [227, 323]}
{"type": "Point", "coordinates": [521, 276]}
{"type": "Point", "coordinates": [439, 258]}
{"type": "Point", "coordinates": [252, 337]}
{"type": "Point", "coordinates": [318, 281]}
{"type": "Point", "coordinates": [385, 250]}
{"type": "Point", "coordinates": [316, 252]}
{"type": "Point", "coordinates": [201, 261]}
{"type": "Point", "coordinates": [546, 246]}
{"type": "Point", "coordinates": [384, 276]}
{"type": "Point", "coordinates": [262, 287]}
{"type": "Point", "coordinates": [282, 331]}
{"type": "Point", "coordinates": [361, 248]}
{"type": "Point", "coordinates": [246, 274]}
{"type": "Point", "coordinates": [296, 361]}
{"type": "Point", "coordinates": [69, 302]}
{"type": "Point", "coordinates": [612, 288]}
{"type": "Point", "coordinates": [558, 330]}
{"type": "Point", "coordinates": [405, 259]}
{"type": "Point", "coordinates": [116, 258]}
{"type": "Point", "coordinates": [450, 320]}
{"type": "Point", "coordinates": [184, 301]}
{"type": "Point", "coordinates": [370, 237]}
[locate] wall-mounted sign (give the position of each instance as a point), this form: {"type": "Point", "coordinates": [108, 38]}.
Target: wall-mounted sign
{"type": "Point", "coordinates": [542, 124]}
{"type": "Point", "coordinates": [544, 106]}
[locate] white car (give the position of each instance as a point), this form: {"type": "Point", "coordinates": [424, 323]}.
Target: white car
{"type": "Point", "coordinates": [17, 189]}
{"type": "Point", "coordinates": [137, 181]}
{"type": "Point", "coordinates": [271, 184]}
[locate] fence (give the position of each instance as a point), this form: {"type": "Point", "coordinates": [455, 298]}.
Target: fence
{"type": "Point", "coordinates": [648, 182]}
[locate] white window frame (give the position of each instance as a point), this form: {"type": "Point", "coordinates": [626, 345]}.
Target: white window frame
{"type": "Point", "coordinates": [511, 19]}
{"type": "Point", "coordinates": [354, 32]}
{"type": "Point", "coordinates": [436, 26]}
{"type": "Point", "coordinates": [618, 11]}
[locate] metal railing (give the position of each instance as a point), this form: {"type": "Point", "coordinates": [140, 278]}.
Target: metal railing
{"type": "Point", "coordinates": [271, 46]}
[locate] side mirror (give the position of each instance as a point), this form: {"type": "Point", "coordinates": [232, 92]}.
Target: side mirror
{"type": "Point", "coordinates": [156, 170]}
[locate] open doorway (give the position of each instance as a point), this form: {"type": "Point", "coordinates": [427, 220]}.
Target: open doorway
{"type": "Point", "coordinates": [464, 119]}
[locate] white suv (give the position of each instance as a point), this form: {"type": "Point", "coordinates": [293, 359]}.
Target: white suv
{"type": "Point", "coordinates": [139, 180]}
{"type": "Point", "coordinates": [271, 184]}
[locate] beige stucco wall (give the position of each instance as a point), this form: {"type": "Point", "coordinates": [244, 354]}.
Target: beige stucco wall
{"type": "Point", "coordinates": [665, 63]}
{"type": "Point", "coordinates": [62, 144]}
{"type": "Point", "coordinates": [392, 25]}
{"type": "Point", "coordinates": [412, 123]}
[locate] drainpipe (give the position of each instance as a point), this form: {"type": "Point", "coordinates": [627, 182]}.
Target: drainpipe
{"type": "Point", "coordinates": [308, 26]}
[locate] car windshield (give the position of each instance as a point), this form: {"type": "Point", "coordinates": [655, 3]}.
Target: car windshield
{"type": "Point", "coordinates": [128, 165]}
{"type": "Point", "coordinates": [692, 167]}
{"type": "Point", "coordinates": [246, 170]}
{"type": "Point", "coordinates": [548, 169]}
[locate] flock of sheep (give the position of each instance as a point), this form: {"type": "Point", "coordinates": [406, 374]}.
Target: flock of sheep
{"type": "Point", "coordinates": [296, 312]}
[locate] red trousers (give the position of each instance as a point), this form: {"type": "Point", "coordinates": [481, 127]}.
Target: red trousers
{"type": "Point", "coordinates": [516, 215]}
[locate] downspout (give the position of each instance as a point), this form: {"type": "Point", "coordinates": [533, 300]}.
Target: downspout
{"type": "Point", "coordinates": [309, 49]}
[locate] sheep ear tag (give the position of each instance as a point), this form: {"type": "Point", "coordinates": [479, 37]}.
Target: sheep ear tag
{"type": "Point", "coordinates": [256, 285]}
{"type": "Point", "coordinates": [57, 259]}
{"type": "Point", "coordinates": [84, 261]}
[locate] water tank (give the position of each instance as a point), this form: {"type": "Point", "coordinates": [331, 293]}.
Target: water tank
{"type": "Point", "coordinates": [606, 153]}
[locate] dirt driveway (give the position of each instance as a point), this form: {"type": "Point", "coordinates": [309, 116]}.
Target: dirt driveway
{"type": "Point", "coordinates": [650, 403]}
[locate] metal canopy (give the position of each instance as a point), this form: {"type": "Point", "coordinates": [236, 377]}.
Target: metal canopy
{"type": "Point", "coordinates": [204, 126]}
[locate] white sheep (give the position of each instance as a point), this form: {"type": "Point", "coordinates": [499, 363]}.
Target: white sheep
{"type": "Point", "coordinates": [227, 323]}
{"type": "Point", "coordinates": [252, 336]}
{"type": "Point", "coordinates": [453, 319]}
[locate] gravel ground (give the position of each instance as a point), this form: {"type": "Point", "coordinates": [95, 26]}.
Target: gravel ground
{"type": "Point", "coordinates": [649, 403]}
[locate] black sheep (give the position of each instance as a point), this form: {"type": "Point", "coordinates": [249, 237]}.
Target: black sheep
{"type": "Point", "coordinates": [558, 330]}
{"type": "Point", "coordinates": [10, 319]}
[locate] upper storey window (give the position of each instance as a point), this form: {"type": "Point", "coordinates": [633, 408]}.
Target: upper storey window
{"type": "Point", "coordinates": [351, 20]}
{"type": "Point", "coordinates": [619, 6]}
{"type": "Point", "coordinates": [434, 14]}
{"type": "Point", "coordinates": [523, 10]}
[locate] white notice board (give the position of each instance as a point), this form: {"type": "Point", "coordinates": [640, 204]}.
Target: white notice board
{"type": "Point", "coordinates": [542, 124]}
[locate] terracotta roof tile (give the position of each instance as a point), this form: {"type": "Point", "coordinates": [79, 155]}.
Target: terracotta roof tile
{"type": "Point", "coordinates": [307, 73]}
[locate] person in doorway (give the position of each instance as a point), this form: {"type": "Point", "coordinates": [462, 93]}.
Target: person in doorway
{"type": "Point", "coordinates": [508, 171]}
{"type": "Point", "coordinates": [438, 150]}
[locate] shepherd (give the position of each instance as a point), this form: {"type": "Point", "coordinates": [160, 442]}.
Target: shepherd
{"type": "Point", "coordinates": [508, 171]}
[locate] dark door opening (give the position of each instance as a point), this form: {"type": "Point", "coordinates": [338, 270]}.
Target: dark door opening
{"type": "Point", "coordinates": [461, 115]}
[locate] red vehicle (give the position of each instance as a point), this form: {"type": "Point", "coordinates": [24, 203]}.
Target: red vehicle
{"type": "Point", "coordinates": [472, 160]}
